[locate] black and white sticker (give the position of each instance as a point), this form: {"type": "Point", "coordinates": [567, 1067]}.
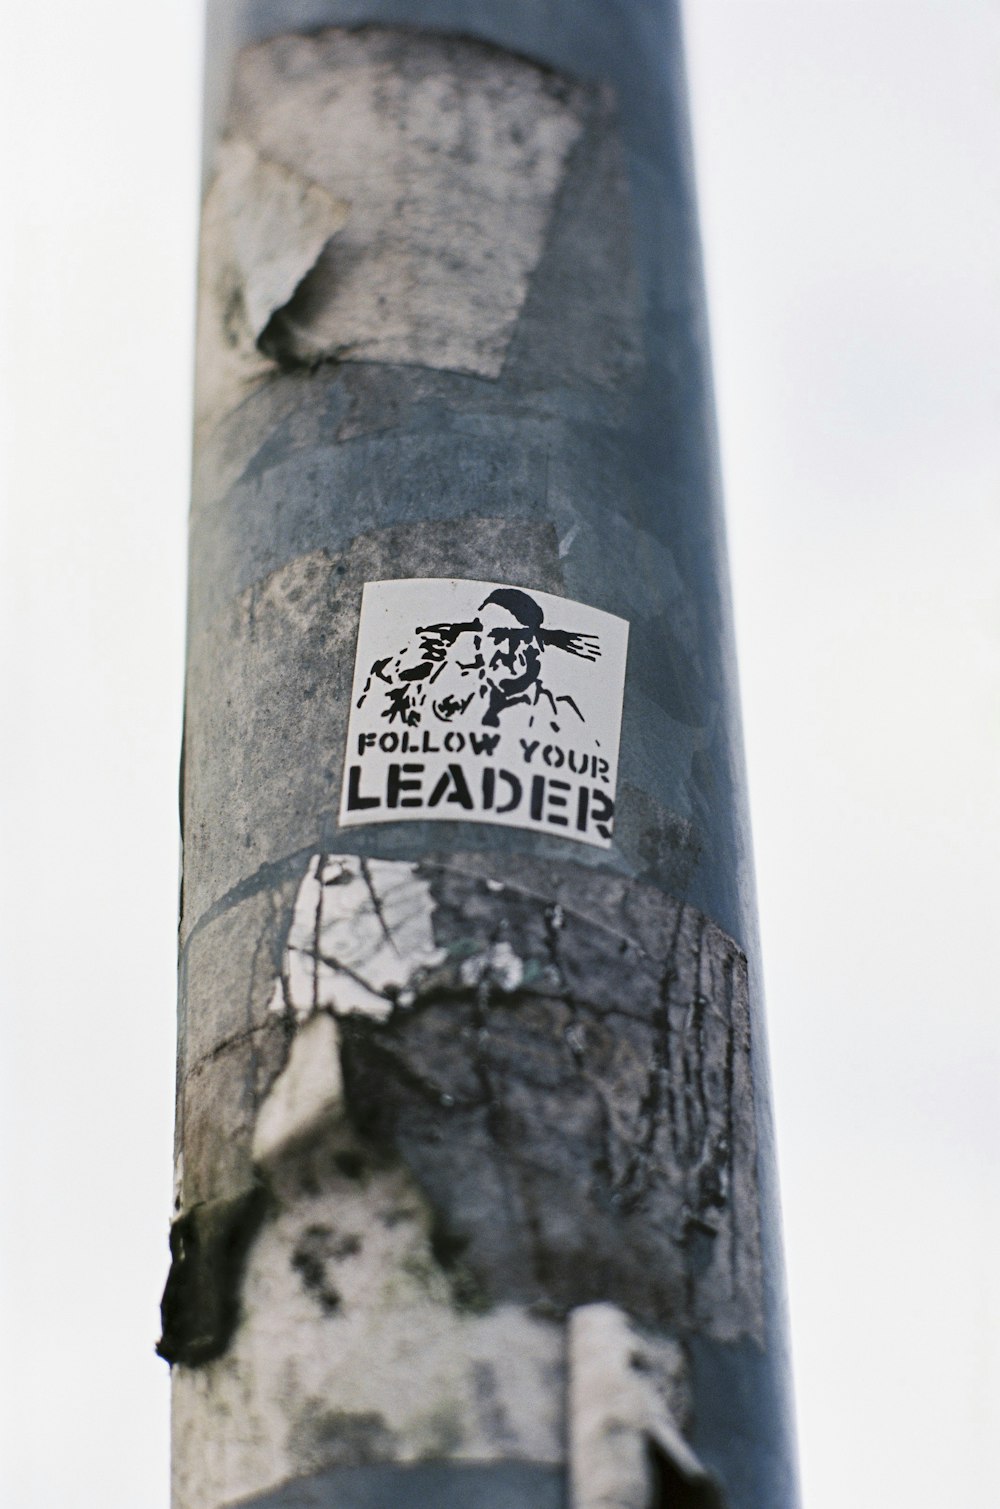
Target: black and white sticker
{"type": "Point", "coordinates": [479, 702]}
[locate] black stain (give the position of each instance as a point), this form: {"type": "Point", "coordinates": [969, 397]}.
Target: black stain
{"type": "Point", "coordinates": [200, 1307]}
{"type": "Point", "coordinates": [316, 1247]}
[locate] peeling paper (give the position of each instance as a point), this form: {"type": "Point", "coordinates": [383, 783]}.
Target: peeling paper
{"type": "Point", "coordinates": [625, 1392]}
{"type": "Point", "coordinates": [263, 227]}
{"type": "Point", "coordinates": [435, 164]}
{"type": "Point", "coordinates": [363, 1356]}
{"type": "Point", "coordinates": [360, 931]}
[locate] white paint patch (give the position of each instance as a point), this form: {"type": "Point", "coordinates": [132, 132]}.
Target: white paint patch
{"type": "Point", "coordinates": [361, 929]}
{"type": "Point", "coordinates": [479, 702]}
{"type": "Point", "coordinates": [434, 160]}
{"type": "Point", "coordinates": [625, 1391]}
{"type": "Point", "coordinates": [263, 227]}
{"type": "Point", "coordinates": [391, 1363]}
{"type": "Point", "coordinates": [307, 1094]}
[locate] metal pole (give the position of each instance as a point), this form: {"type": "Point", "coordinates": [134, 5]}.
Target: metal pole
{"type": "Point", "coordinates": [475, 1190]}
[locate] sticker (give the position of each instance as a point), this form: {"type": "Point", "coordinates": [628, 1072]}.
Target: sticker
{"type": "Point", "coordinates": [478, 702]}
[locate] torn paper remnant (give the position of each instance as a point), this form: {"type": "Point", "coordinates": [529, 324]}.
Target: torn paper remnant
{"type": "Point", "coordinates": [263, 226]}
{"type": "Point", "coordinates": [433, 164]}
{"type": "Point", "coordinates": [361, 930]}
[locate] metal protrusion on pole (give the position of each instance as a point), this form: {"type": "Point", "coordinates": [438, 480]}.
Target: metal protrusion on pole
{"type": "Point", "coordinates": [475, 1189]}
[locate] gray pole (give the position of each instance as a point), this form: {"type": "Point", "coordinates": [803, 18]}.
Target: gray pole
{"type": "Point", "coordinates": [475, 1184]}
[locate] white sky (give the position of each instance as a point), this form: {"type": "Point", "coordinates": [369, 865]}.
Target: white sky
{"type": "Point", "coordinates": [849, 169]}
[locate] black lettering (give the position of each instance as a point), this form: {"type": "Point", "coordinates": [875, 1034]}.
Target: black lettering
{"type": "Point", "coordinates": [582, 809]}
{"type": "Point", "coordinates": [515, 791]}
{"type": "Point", "coordinates": [454, 742]}
{"type": "Point", "coordinates": [365, 741]}
{"type": "Point", "coordinates": [395, 783]}
{"type": "Point", "coordinates": [461, 794]}
{"type": "Point", "coordinates": [553, 756]}
{"type": "Point", "coordinates": [603, 812]}
{"type": "Point", "coordinates": [483, 743]}
{"type": "Point", "coordinates": [489, 786]}
{"type": "Point", "coordinates": [537, 796]}
{"type": "Point", "coordinates": [428, 747]}
{"type": "Point", "coordinates": [389, 742]}
{"type": "Point", "coordinates": [600, 769]}
{"type": "Point", "coordinates": [555, 800]}
{"type": "Point", "coordinates": [355, 801]}
{"type": "Point", "coordinates": [529, 750]}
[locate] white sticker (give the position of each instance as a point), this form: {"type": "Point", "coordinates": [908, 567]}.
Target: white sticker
{"type": "Point", "coordinates": [478, 702]}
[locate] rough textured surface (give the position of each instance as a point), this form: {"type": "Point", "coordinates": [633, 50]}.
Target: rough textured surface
{"type": "Point", "coordinates": [362, 928]}
{"type": "Point", "coordinates": [507, 1091]}
{"type": "Point", "coordinates": [447, 1485]}
{"type": "Point", "coordinates": [414, 176]}
{"type": "Point", "coordinates": [572, 1089]}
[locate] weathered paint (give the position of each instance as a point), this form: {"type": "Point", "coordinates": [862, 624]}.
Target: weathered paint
{"type": "Point", "coordinates": [587, 441]}
{"type": "Point", "coordinates": [571, 1077]}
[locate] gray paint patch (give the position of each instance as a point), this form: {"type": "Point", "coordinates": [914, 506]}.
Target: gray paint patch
{"type": "Point", "coordinates": [394, 191]}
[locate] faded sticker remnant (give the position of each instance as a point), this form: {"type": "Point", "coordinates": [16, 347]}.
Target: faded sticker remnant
{"type": "Point", "coordinates": [432, 162]}
{"type": "Point", "coordinates": [479, 702]}
{"type": "Point", "coordinates": [361, 931]}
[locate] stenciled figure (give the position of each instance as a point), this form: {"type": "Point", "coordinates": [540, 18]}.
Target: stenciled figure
{"type": "Point", "coordinates": [486, 665]}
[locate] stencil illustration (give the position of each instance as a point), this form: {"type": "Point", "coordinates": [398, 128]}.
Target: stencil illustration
{"type": "Point", "coordinates": [511, 699]}
{"type": "Point", "coordinates": [498, 656]}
